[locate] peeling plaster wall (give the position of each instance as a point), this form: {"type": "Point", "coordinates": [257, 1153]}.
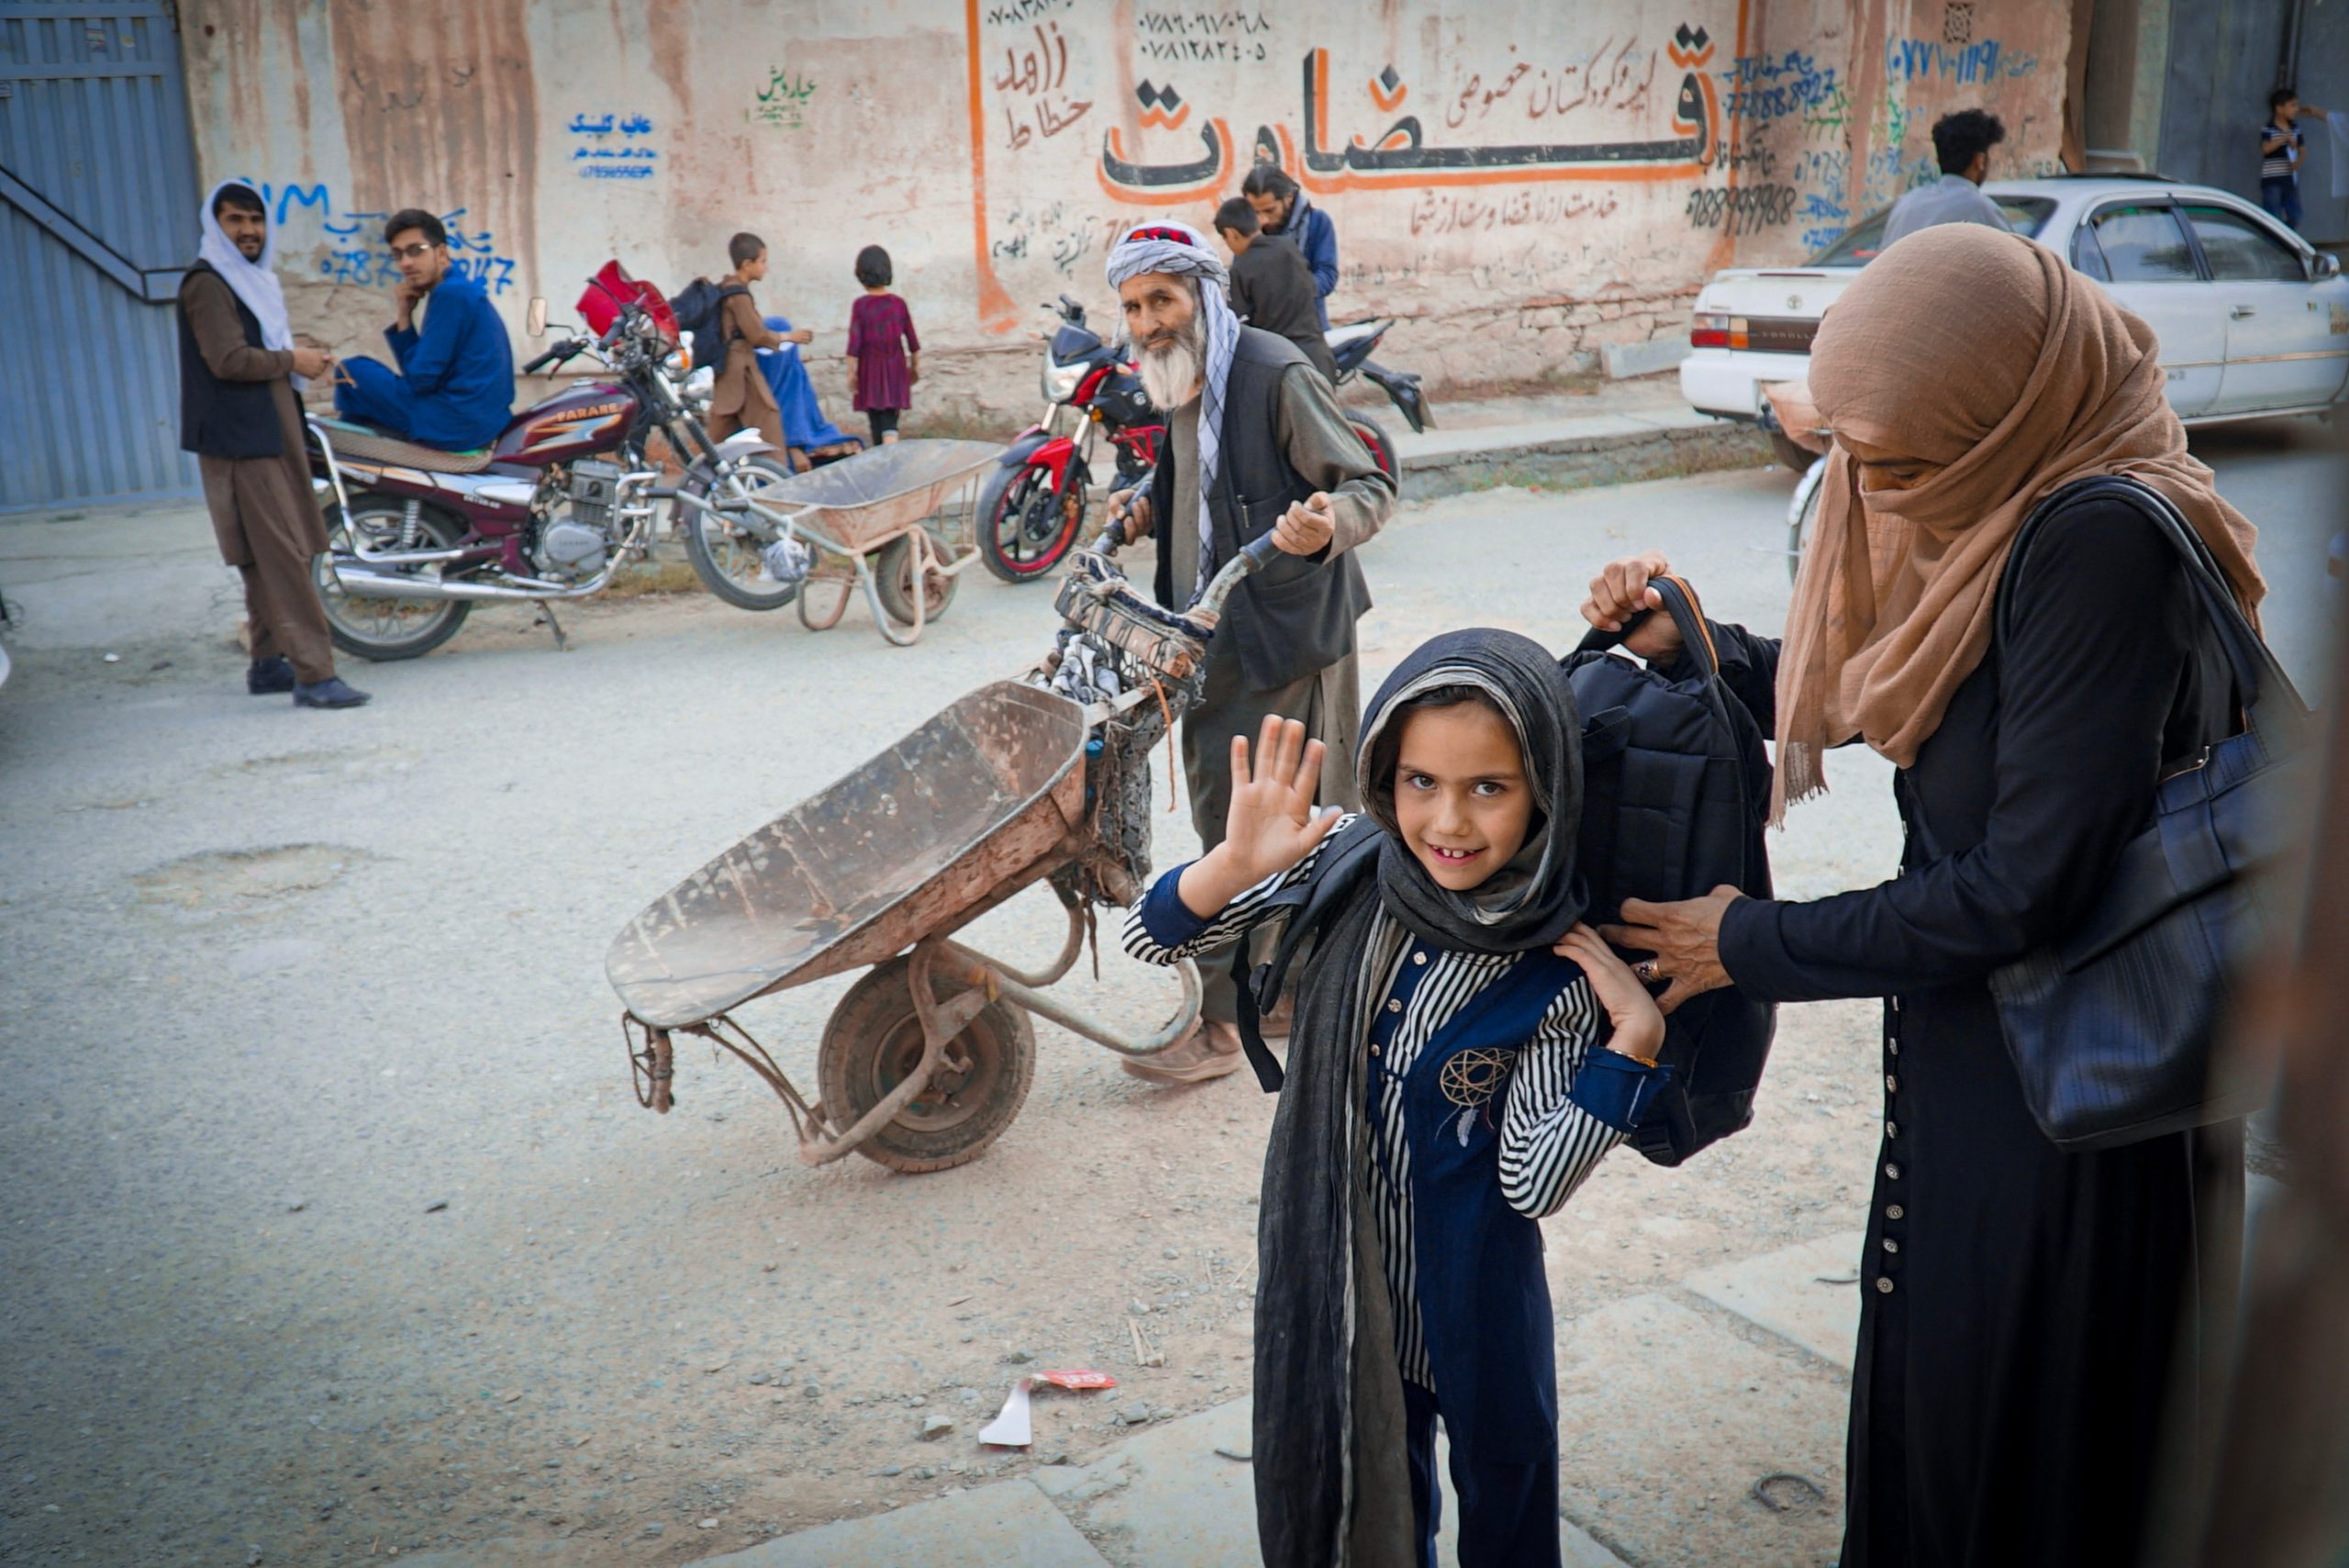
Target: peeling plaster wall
{"type": "Point", "coordinates": [1522, 183]}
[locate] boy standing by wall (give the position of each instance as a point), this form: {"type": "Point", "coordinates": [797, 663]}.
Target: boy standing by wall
{"type": "Point", "coordinates": [2281, 147]}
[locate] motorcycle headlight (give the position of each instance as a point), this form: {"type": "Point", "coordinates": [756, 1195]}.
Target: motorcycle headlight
{"type": "Point", "coordinates": [1061, 381]}
{"type": "Point", "coordinates": [678, 364]}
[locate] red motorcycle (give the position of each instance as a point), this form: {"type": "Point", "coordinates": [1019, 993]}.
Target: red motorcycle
{"type": "Point", "coordinates": [416, 537]}
{"type": "Point", "coordinates": [1031, 509]}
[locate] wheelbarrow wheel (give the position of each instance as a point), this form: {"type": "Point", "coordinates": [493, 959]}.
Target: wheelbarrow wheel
{"type": "Point", "coordinates": [893, 572]}
{"type": "Point", "coordinates": [873, 1039]}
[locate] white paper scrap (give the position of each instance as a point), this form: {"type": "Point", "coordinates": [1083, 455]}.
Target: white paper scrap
{"type": "Point", "coordinates": [1011, 1428]}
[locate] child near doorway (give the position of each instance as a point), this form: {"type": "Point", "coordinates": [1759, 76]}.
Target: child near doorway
{"type": "Point", "coordinates": [883, 355]}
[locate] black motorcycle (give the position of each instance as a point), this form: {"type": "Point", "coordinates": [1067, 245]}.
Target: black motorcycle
{"type": "Point", "coordinates": [1350, 343]}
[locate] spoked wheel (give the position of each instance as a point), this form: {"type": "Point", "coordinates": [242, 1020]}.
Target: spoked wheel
{"type": "Point", "coordinates": [1801, 513]}
{"type": "Point", "coordinates": [893, 571]}
{"type": "Point", "coordinates": [873, 1041]}
{"type": "Point", "coordinates": [1792, 455]}
{"type": "Point", "coordinates": [381, 631]}
{"type": "Point", "coordinates": [728, 558]}
{"type": "Point", "coordinates": [1024, 526]}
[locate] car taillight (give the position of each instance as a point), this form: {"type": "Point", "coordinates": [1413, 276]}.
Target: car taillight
{"type": "Point", "coordinates": [1710, 332]}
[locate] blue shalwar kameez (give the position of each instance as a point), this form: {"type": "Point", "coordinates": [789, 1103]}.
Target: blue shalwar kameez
{"type": "Point", "coordinates": [454, 387]}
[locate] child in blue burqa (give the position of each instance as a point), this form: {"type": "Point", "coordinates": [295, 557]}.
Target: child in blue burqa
{"type": "Point", "coordinates": [1464, 1052]}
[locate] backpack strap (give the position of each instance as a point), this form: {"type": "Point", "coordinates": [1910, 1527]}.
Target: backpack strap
{"type": "Point", "coordinates": [725, 292]}
{"type": "Point", "coordinates": [1350, 854]}
{"type": "Point", "coordinates": [1688, 613]}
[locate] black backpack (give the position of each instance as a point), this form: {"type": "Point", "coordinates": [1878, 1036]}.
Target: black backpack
{"type": "Point", "coordinates": [696, 307]}
{"type": "Point", "coordinates": [1676, 796]}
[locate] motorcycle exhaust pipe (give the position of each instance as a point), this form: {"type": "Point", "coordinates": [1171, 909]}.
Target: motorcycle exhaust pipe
{"type": "Point", "coordinates": [358, 580]}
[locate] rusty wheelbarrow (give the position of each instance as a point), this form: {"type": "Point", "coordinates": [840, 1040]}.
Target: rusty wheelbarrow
{"type": "Point", "coordinates": [897, 521]}
{"type": "Point", "coordinates": [928, 1056]}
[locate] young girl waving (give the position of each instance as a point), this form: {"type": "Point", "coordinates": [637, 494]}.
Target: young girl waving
{"type": "Point", "coordinates": [1464, 1052]}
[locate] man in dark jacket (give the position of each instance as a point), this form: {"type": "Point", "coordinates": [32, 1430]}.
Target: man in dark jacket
{"type": "Point", "coordinates": [239, 369]}
{"type": "Point", "coordinates": [1255, 445]}
{"type": "Point", "coordinates": [1282, 209]}
{"type": "Point", "coordinates": [1271, 285]}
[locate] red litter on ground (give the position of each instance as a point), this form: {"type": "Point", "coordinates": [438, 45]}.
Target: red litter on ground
{"type": "Point", "coordinates": [1013, 1427]}
{"type": "Point", "coordinates": [1077, 1379]}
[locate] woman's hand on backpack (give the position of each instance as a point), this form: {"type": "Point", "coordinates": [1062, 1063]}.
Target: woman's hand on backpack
{"type": "Point", "coordinates": [1271, 823]}
{"type": "Point", "coordinates": [1620, 591]}
{"type": "Point", "coordinates": [1639, 1022]}
{"type": "Point", "coordinates": [1684, 938]}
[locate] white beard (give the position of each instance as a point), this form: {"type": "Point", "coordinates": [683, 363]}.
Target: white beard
{"type": "Point", "coordinates": [1170, 375]}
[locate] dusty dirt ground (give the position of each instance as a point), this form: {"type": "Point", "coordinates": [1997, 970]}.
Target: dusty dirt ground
{"type": "Point", "coordinates": [336, 1230]}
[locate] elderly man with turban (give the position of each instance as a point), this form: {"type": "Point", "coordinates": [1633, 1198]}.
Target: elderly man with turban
{"type": "Point", "coordinates": [1255, 445]}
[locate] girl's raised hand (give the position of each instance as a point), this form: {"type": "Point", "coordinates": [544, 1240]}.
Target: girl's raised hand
{"type": "Point", "coordinates": [1639, 1023]}
{"type": "Point", "coordinates": [1273, 824]}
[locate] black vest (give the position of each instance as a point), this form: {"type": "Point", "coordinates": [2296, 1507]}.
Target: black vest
{"type": "Point", "coordinates": [1297, 617]}
{"type": "Point", "coordinates": [223, 419]}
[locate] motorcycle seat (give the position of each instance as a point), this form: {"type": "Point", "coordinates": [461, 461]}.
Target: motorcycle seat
{"type": "Point", "coordinates": [370, 444]}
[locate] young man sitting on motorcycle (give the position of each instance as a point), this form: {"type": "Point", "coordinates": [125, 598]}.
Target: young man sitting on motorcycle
{"type": "Point", "coordinates": [1255, 445]}
{"type": "Point", "coordinates": [1271, 285]}
{"type": "Point", "coordinates": [454, 387]}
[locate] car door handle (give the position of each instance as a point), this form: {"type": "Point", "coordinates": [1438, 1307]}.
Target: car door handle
{"type": "Point", "coordinates": [2241, 311]}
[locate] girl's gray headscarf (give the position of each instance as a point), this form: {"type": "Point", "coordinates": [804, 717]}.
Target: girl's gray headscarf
{"type": "Point", "coordinates": [1166, 245]}
{"type": "Point", "coordinates": [1531, 901]}
{"type": "Point", "coordinates": [255, 283]}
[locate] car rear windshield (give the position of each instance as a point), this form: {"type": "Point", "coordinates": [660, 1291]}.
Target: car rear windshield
{"type": "Point", "coordinates": [2025, 215]}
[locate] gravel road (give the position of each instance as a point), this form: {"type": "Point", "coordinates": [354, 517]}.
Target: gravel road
{"type": "Point", "coordinates": [336, 1229]}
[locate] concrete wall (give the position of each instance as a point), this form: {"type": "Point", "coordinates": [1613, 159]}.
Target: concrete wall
{"type": "Point", "coordinates": [1525, 181]}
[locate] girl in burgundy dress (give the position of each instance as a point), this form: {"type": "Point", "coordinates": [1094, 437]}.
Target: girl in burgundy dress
{"type": "Point", "coordinates": [883, 355]}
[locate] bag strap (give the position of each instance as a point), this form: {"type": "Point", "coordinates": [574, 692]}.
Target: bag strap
{"type": "Point", "coordinates": [1348, 854]}
{"type": "Point", "coordinates": [1680, 603]}
{"type": "Point", "coordinates": [1688, 613]}
{"type": "Point", "coordinates": [2256, 672]}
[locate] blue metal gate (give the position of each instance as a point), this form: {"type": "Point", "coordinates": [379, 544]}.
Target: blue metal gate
{"type": "Point", "coordinates": [97, 217]}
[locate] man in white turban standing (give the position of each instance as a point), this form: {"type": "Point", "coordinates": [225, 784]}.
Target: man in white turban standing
{"type": "Point", "coordinates": [1255, 445]}
{"type": "Point", "coordinates": [240, 372]}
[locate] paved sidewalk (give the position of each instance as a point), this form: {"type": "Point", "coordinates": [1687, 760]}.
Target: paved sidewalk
{"type": "Point", "coordinates": [1619, 432]}
{"type": "Point", "coordinates": [1737, 1356]}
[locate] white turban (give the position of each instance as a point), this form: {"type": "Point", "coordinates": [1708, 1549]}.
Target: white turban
{"type": "Point", "coordinates": [255, 281]}
{"type": "Point", "coordinates": [1169, 246]}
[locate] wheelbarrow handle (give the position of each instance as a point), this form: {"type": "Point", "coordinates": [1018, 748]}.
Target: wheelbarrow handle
{"type": "Point", "coordinates": [1259, 554]}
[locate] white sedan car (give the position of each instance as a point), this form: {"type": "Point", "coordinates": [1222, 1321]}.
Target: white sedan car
{"type": "Point", "coordinates": [2252, 320]}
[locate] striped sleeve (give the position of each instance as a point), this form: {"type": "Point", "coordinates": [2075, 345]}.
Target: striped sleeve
{"type": "Point", "coordinates": [1549, 1144]}
{"type": "Point", "coordinates": [1161, 929]}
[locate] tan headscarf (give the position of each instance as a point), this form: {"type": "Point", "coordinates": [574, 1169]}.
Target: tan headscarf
{"type": "Point", "coordinates": [1978, 364]}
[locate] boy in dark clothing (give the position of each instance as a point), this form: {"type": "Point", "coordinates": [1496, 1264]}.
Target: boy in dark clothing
{"type": "Point", "coordinates": [1272, 286]}
{"type": "Point", "coordinates": [2281, 147]}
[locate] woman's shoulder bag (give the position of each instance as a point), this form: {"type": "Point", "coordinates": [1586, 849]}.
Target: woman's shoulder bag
{"type": "Point", "coordinates": [2112, 1029]}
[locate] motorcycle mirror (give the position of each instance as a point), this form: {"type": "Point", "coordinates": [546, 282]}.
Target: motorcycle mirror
{"type": "Point", "coordinates": [536, 322]}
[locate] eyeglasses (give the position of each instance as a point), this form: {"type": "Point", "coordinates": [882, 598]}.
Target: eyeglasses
{"type": "Point", "coordinates": [409, 252]}
{"type": "Point", "coordinates": [1161, 231]}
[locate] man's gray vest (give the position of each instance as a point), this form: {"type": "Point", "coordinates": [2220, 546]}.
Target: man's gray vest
{"type": "Point", "coordinates": [1297, 617]}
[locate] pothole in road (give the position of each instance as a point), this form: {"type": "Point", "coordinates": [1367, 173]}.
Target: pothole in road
{"type": "Point", "coordinates": [246, 881]}
{"type": "Point", "coordinates": [320, 766]}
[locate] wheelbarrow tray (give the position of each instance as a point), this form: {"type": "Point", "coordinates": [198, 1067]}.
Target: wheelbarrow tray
{"type": "Point", "coordinates": [947, 823]}
{"type": "Point", "coordinates": [861, 501]}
